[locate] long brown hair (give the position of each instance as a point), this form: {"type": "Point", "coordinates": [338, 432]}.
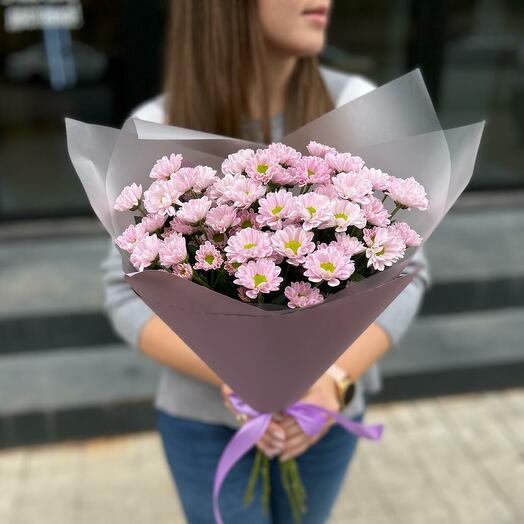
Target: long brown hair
{"type": "Point", "coordinates": [215, 52]}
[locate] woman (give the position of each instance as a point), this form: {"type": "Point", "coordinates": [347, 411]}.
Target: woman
{"type": "Point", "coordinates": [248, 69]}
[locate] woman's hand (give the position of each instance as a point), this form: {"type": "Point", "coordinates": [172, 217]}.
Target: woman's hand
{"type": "Point", "coordinates": [273, 440]}
{"type": "Point", "coordinates": [323, 393]}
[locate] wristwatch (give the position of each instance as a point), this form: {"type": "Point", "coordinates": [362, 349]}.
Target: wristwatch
{"type": "Point", "coordinates": [344, 383]}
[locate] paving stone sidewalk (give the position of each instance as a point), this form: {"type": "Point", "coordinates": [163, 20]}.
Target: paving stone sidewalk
{"type": "Point", "coordinates": [452, 460]}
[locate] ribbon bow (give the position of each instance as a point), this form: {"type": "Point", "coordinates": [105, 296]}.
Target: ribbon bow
{"type": "Point", "coordinates": [311, 419]}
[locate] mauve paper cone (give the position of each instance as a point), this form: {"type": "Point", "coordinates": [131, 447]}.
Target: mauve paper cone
{"type": "Point", "coordinates": [270, 357]}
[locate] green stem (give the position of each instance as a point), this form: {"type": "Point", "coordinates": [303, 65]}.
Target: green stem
{"type": "Point", "coordinates": [305, 189]}
{"type": "Point", "coordinates": [253, 477]}
{"type": "Point", "coordinates": [397, 207]}
{"type": "Point", "coordinates": [297, 485]}
{"type": "Point", "coordinates": [266, 484]}
{"type": "Point", "coordinates": [285, 476]}
{"type": "Point", "coordinates": [200, 280]}
{"type": "Point", "coordinates": [286, 271]}
{"type": "Point", "coordinates": [283, 466]}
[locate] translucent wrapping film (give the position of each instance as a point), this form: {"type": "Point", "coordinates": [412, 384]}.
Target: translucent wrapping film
{"type": "Point", "coordinates": [271, 356]}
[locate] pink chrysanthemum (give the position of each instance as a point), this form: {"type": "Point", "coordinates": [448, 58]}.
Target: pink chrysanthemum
{"type": "Point", "coordinates": [195, 210]}
{"type": "Point", "coordinates": [294, 243]}
{"type": "Point", "coordinates": [282, 176]}
{"type": "Point", "coordinates": [231, 267]}
{"type": "Point", "coordinates": [172, 250]}
{"type": "Point", "coordinates": [344, 162]}
{"type": "Point", "coordinates": [183, 270]}
{"type": "Point", "coordinates": [222, 217]}
{"type": "Point", "coordinates": [328, 264]}
{"type": "Point", "coordinates": [258, 276]}
{"type": "Point", "coordinates": [408, 193]}
{"type": "Point", "coordinates": [378, 179]}
{"type": "Point", "coordinates": [130, 237]}
{"type": "Point", "coordinates": [344, 214]}
{"type": "Point", "coordinates": [277, 258]}
{"type": "Point", "coordinates": [348, 245]}
{"type": "Point", "coordinates": [178, 226]}
{"type": "Point", "coordinates": [302, 294]}
{"type": "Point", "coordinates": [247, 244]}
{"type": "Point", "coordinates": [219, 240]}
{"type": "Point", "coordinates": [311, 170]}
{"type": "Point", "coordinates": [320, 150]}
{"type": "Point", "coordinates": [183, 180]}
{"type": "Point", "coordinates": [326, 190]}
{"type": "Point", "coordinates": [236, 163]}
{"type": "Point", "coordinates": [244, 191]}
{"type": "Point", "coordinates": [261, 166]}
{"type": "Point", "coordinates": [129, 198]}
{"type": "Point", "coordinates": [217, 191]}
{"type": "Point", "coordinates": [274, 208]}
{"type": "Point", "coordinates": [166, 166]}
{"type": "Point", "coordinates": [145, 252]}
{"type": "Point", "coordinates": [161, 197]}
{"type": "Point", "coordinates": [311, 208]}
{"type": "Point", "coordinates": [353, 186]}
{"type": "Point", "coordinates": [208, 257]}
{"type": "Point", "coordinates": [247, 218]}
{"type": "Point", "coordinates": [383, 247]}
{"type": "Point", "coordinates": [242, 294]}
{"type": "Point", "coordinates": [204, 177]}
{"type": "Point", "coordinates": [152, 223]}
{"type": "Point", "coordinates": [375, 212]}
{"type": "Point", "coordinates": [285, 155]}
{"type": "Point", "coordinates": [410, 237]}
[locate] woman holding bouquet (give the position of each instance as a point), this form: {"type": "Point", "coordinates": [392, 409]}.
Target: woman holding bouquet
{"type": "Point", "coordinates": [248, 69]}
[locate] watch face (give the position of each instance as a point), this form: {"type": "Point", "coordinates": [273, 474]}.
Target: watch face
{"type": "Point", "coordinates": [349, 394]}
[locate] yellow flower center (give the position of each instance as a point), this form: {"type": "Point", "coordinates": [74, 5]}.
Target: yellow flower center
{"type": "Point", "coordinates": [310, 173]}
{"type": "Point", "coordinates": [209, 259]}
{"type": "Point", "coordinates": [343, 216]}
{"type": "Point", "coordinates": [262, 168]}
{"type": "Point", "coordinates": [276, 210]}
{"type": "Point", "coordinates": [311, 210]}
{"type": "Point", "coordinates": [249, 245]}
{"type": "Point", "coordinates": [259, 279]}
{"type": "Point", "coordinates": [327, 266]}
{"type": "Point", "coordinates": [294, 245]}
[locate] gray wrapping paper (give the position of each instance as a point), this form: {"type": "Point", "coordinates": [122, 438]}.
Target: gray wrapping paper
{"type": "Point", "coordinates": [271, 357]}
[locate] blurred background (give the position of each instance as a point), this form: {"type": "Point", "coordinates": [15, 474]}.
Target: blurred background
{"type": "Point", "coordinates": [452, 387]}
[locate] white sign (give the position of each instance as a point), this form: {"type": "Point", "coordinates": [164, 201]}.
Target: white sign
{"type": "Point", "coordinates": [31, 15]}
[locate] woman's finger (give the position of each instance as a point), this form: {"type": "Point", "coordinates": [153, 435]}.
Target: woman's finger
{"type": "Point", "coordinates": [287, 422]}
{"type": "Point", "coordinates": [294, 442]}
{"type": "Point", "coordinates": [297, 450]}
{"type": "Point", "coordinates": [273, 438]}
{"type": "Point", "coordinates": [293, 431]}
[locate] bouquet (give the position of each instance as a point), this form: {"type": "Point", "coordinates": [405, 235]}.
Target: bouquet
{"type": "Point", "coordinates": [274, 227]}
{"type": "Point", "coordinates": [283, 253]}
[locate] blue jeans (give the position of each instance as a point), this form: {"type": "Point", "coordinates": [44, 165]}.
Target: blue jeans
{"type": "Point", "coordinates": [193, 448]}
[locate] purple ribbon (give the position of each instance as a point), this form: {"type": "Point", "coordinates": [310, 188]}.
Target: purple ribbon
{"type": "Point", "coordinates": [311, 419]}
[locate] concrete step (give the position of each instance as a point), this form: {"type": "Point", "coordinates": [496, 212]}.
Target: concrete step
{"type": "Point", "coordinates": [74, 393]}
{"type": "Point", "coordinates": [83, 392]}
